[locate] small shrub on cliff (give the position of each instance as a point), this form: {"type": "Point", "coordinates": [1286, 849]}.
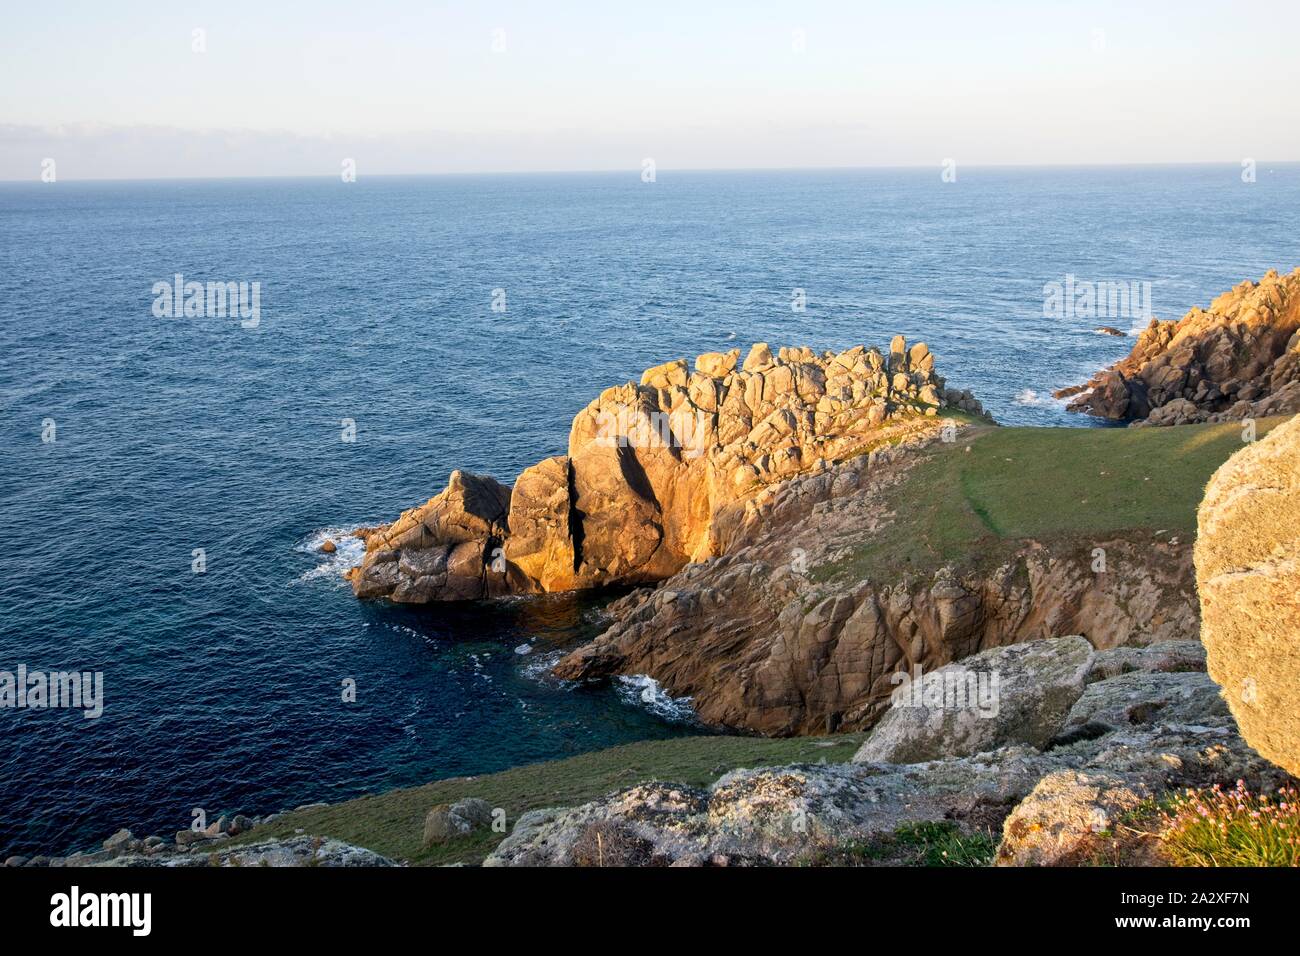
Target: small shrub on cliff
{"type": "Point", "coordinates": [1215, 827]}
{"type": "Point", "coordinates": [607, 843]}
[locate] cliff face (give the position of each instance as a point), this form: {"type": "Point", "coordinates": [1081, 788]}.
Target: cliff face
{"type": "Point", "coordinates": [657, 472]}
{"type": "Point", "coordinates": [1240, 359]}
{"type": "Point", "coordinates": [762, 640]}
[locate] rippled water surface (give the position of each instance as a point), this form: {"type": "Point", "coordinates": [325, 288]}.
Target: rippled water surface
{"type": "Point", "coordinates": [222, 689]}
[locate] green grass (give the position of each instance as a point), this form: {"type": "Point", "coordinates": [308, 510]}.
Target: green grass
{"type": "Point", "coordinates": [1061, 485]}
{"type": "Point", "coordinates": [392, 823]}
{"type": "Point", "coordinates": [926, 843]}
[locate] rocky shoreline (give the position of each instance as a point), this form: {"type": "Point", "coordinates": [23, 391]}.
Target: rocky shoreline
{"type": "Point", "coordinates": [762, 647]}
{"type": "Point", "coordinates": [205, 846]}
{"type": "Point", "coordinates": [1239, 359]}
{"type": "Point", "coordinates": [1077, 742]}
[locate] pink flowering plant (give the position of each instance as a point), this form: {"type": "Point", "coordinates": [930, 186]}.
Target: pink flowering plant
{"type": "Point", "coordinates": [1217, 827]}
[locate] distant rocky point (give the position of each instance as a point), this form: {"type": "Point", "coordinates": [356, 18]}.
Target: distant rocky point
{"type": "Point", "coordinates": [1240, 359]}
{"type": "Point", "coordinates": [657, 472]}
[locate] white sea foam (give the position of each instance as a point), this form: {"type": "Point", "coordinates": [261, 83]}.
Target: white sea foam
{"type": "Point", "coordinates": [644, 691]}
{"type": "Point", "coordinates": [537, 666]}
{"type": "Point", "coordinates": [1037, 399]}
{"type": "Point", "coordinates": [349, 550]}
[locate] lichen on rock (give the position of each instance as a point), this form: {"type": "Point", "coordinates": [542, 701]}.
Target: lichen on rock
{"type": "Point", "coordinates": [1248, 577]}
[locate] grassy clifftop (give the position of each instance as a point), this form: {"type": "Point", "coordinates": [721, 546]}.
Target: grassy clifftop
{"type": "Point", "coordinates": [393, 823]}
{"type": "Point", "coordinates": [971, 502]}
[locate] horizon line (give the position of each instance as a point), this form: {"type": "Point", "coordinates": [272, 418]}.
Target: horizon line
{"type": "Point", "coordinates": [635, 171]}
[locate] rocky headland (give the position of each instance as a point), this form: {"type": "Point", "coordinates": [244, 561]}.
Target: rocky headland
{"type": "Point", "coordinates": [1238, 359]}
{"type": "Point", "coordinates": [787, 634]}
{"type": "Point", "coordinates": [659, 473]}
{"type": "Point", "coordinates": [1070, 752]}
{"type": "Point", "coordinates": [782, 511]}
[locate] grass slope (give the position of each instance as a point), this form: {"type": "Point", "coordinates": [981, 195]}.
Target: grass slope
{"type": "Point", "coordinates": [393, 823]}
{"type": "Point", "coordinates": [973, 507]}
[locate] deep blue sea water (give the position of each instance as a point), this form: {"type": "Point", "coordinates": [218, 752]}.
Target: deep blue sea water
{"type": "Point", "coordinates": [222, 689]}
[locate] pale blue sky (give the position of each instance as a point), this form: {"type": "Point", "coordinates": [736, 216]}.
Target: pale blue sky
{"type": "Point", "coordinates": [116, 90]}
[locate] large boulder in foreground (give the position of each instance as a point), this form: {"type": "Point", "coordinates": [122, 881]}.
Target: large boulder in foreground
{"type": "Point", "coordinates": [1056, 825]}
{"type": "Point", "coordinates": [1142, 697]}
{"type": "Point", "coordinates": [1248, 574]}
{"type": "Point", "coordinates": [1019, 694]}
{"type": "Point", "coordinates": [1238, 359]}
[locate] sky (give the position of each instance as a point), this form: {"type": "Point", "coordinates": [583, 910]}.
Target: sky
{"type": "Point", "coordinates": [281, 87]}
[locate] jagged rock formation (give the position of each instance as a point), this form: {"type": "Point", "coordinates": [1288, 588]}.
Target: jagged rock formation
{"type": "Point", "coordinates": [1248, 576]}
{"type": "Point", "coordinates": [655, 472]}
{"type": "Point", "coordinates": [1240, 359]}
{"type": "Point", "coordinates": [442, 550]}
{"type": "Point", "coordinates": [761, 643]}
{"type": "Point", "coordinates": [785, 815]}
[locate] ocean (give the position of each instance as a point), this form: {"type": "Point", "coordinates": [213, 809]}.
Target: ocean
{"type": "Point", "coordinates": [408, 326]}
